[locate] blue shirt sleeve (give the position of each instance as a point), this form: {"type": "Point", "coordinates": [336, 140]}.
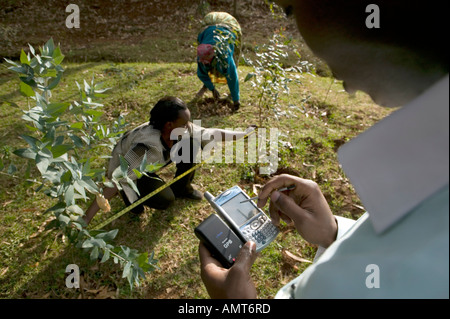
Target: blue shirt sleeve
{"type": "Point", "coordinates": [202, 74]}
{"type": "Point", "coordinates": [232, 78]}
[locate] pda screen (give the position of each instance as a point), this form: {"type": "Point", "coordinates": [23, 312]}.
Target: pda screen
{"type": "Point", "coordinates": [240, 212]}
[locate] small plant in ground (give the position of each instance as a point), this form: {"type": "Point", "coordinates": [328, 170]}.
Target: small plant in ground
{"type": "Point", "coordinates": [63, 143]}
{"type": "Point", "coordinates": [270, 77]}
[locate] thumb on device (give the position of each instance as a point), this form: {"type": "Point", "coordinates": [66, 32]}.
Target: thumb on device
{"type": "Point", "coordinates": [239, 282]}
{"type": "Point", "coordinates": [246, 256]}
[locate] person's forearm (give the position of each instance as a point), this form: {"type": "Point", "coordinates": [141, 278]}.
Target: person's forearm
{"type": "Point", "coordinates": [228, 135]}
{"type": "Point", "coordinates": [202, 74]}
{"type": "Point", "coordinates": [233, 80]}
{"type": "Point", "coordinates": [91, 211]}
{"type": "Point", "coordinates": [108, 193]}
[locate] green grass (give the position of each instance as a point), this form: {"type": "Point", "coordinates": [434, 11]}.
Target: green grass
{"type": "Point", "coordinates": [33, 261]}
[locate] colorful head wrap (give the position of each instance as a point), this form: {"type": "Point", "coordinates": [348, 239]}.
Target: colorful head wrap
{"type": "Point", "coordinates": [205, 53]}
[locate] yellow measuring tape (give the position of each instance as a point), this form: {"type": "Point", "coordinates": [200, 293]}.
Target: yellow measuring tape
{"type": "Point", "coordinates": [156, 191]}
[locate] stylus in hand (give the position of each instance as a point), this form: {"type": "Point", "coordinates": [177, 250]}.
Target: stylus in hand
{"type": "Point", "coordinates": [280, 190]}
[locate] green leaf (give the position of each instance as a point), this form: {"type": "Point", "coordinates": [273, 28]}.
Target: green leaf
{"type": "Point", "coordinates": [89, 184]}
{"type": "Point", "coordinates": [64, 219]}
{"type": "Point", "coordinates": [106, 255]}
{"type": "Point", "coordinates": [249, 76]}
{"type": "Point", "coordinates": [29, 81]}
{"type": "Point", "coordinates": [75, 209]}
{"type": "Point", "coordinates": [151, 168]}
{"type": "Point", "coordinates": [132, 276]}
{"type": "Point", "coordinates": [58, 57]}
{"type": "Point", "coordinates": [56, 109]}
{"type": "Point", "coordinates": [77, 125]}
{"type": "Point", "coordinates": [117, 174]}
{"type": "Point", "coordinates": [87, 167]}
{"type": "Point", "coordinates": [20, 69]}
{"type": "Point", "coordinates": [53, 83]}
{"type": "Point", "coordinates": [80, 189]}
{"type": "Point", "coordinates": [58, 140]}
{"type": "Point", "coordinates": [28, 72]}
{"type": "Point", "coordinates": [87, 244]}
{"type": "Point", "coordinates": [126, 250]}
{"type": "Point", "coordinates": [31, 49]}
{"type": "Point", "coordinates": [50, 136]}
{"type": "Point", "coordinates": [94, 253]}
{"type": "Point", "coordinates": [45, 152]}
{"type": "Point", "coordinates": [123, 165]}
{"type": "Point", "coordinates": [107, 184]}
{"type": "Point", "coordinates": [69, 195]}
{"type": "Point", "coordinates": [49, 47]}
{"type": "Point", "coordinates": [26, 153]}
{"type": "Point", "coordinates": [127, 269]}
{"type": "Point", "coordinates": [42, 163]}
{"type": "Point", "coordinates": [30, 140]}
{"type": "Point", "coordinates": [78, 225]}
{"type": "Point", "coordinates": [52, 73]}
{"type": "Point", "coordinates": [87, 88]}
{"type": "Point", "coordinates": [11, 62]}
{"type": "Point", "coordinates": [143, 163]}
{"type": "Point", "coordinates": [58, 208]}
{"type": "Point", "coordinates": [93, 112]}
{"type": "Point", "coordinates": [99, 242]}
{"type": "Point", "coordinates": [76, 140]}
{"type": "Point", "coordinates": [24, 58]}
{"type": "Point", "coordinates": [137, 173]}
{"type": "Point", "coordinates": [142, 259]}
{"type": "Point", "coordinates": [132, 184]}
{"type": "Point", "coordinates": [86, 140]}
{"type": "Point", "coordinates": [66, 177]}
{"type": "Point", "coordinates": [59, 150]}
{"type": "Point", "coordinates": [108, 236]}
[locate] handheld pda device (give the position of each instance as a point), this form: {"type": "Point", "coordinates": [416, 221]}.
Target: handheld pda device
{"type": "Point", "coordinates": [244, 218]}
{"type": "Point", "coordinates": [221, 241]}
